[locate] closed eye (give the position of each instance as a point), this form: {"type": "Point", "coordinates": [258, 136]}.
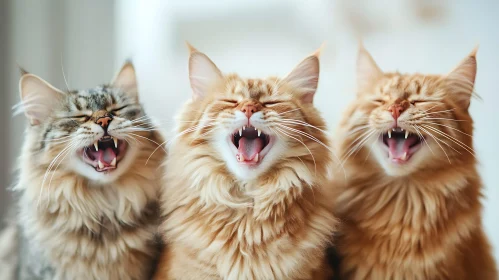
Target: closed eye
{"type": "Point", "coordinates": [413, 102]}
{"type": "Point", "coordinates": [230, 101]}
{"type": "Point", "coordinates": [379, 101]}
{"type": "Point", "coordinates": [270, 103]}
{"type": "Point", "coordinates": [117, 110]}
{"type": "Point", "coordinates": [82, 118]}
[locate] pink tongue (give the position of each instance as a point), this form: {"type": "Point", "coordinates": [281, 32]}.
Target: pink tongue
{"type": "Point", "coordinates": [248, 148]}
{"type": "Point", "coordinates": [107, 156]}
{"type": "Point", "coordinates": [398, 147]}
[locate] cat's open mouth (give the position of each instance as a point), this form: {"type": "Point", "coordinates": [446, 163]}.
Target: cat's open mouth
{"type": "Point", "coordinates": [400, 144]}
{"type": "Point", "coordinates": [105, 153]}
{"type": "Point", "coordinates": [251, 144]}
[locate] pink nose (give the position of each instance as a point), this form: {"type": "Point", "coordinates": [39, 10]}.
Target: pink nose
{"type": "Point", "coordinates": [249, 109]}
{"type": "Point", "coordinates": [396, 110]}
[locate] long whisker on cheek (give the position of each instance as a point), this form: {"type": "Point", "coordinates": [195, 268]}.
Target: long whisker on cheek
{"type": "Point", "coordinates": [311, 137]}
{"type": "Point", "coordinates": [51, 166]}
{"type": "Point", "coordinates": [438, 112]}
{"type": "Point", "coordinates": [298, 140]}
{"type": "Point", "coordinates": [302, 123]}
{"type": "Point", "coordinates": [453, 139]}
{"type": "Point", "coordinates": [288, 111]}
{"type": "Point", "coordinates": [420, 135]}
{"type": "Point", "coordinates": [450, 127]}
{"type": "Point", "coordinates": [436, 141]}
{"type": "Point", "coordinates": [372, 146]}
{"type": "Point", "coordinates": [188, 130]}
{"type": "Point", "coordinates": [425, 118]}
{"type": "Point", "coordinates": [72, 149]}
{"type": "Point", "coordinates": [148, 139]}
{"type": "Point", "coordinates": [364, 138]}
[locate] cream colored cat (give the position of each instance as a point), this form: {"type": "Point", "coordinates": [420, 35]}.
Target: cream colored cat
{"type": "Point", "coordinates": [245, 194]}
{"type": "Point", "coordinates": [411, 202]}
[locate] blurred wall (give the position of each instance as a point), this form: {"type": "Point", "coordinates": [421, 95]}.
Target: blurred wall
{"type": "Point", "coordinates": [4, 117]}
{"type": "Point", "coordinates": [54, 39]}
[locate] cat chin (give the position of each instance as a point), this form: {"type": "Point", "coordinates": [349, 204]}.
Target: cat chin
{"type": "Point", "coordinates": [89, 172]}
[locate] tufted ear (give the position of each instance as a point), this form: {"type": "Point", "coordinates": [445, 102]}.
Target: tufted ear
{"type": "Point", "coordinates": [126, 80]}
{"type": "Point", "coordinates": [38, 98]}
{"type": "Point", "coordinates": [305, 76]}
{"type": "Point", "coordinates": [203, 73]}
{"type": "Point", "coordinates": [368, 72]}
{"type": "Point", "coordinates": [461, 81]}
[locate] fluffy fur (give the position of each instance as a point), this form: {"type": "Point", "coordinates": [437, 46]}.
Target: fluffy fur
{"type": "Point", "coordinates": [9, 251]}
{"type": "Point", "coordinates": [227, 220]}
{"type": "Point", "coordinates": [419, 219]}
{"type": "Point", "coordinates": [78, 223]}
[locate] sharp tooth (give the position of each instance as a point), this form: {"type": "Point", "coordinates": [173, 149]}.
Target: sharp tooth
{"type": "Point", "coordinates": [255, 159]}
{"type": "Point", "coordinates": [115, 142]}
{"type": "Point", "coordinates": [240, 132]}
{"type": "Point", "coordinates": [406, 134]}
{"type": "Point", "coordinates": [101, 165]}
{"type": "Point", "coordinates": [259, 132]}
{"type": "Point", "coordinates": [96, 145]}
{"type": "Point", "coordinates": [244, 127]}
{"type": "Point", "coordinates": [389, 134]}
{"type": "Point", "coordinates": [113, 163]}
{"type": "Point", "coordinates": [404, 156]}
{"type": "Point", "coordinates": [393, 129]}
{"type": "Point", "coordinates": [254, 128]}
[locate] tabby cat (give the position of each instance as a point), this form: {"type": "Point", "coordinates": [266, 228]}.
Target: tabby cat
{"type": "Point", "coordinates": [411, 202]}
{"type": "Point", "coordinates": [88, 186]}
{"type": "Point", "coordinates": [245, 194]}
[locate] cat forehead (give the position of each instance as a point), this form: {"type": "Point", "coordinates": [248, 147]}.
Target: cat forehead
{"type": "Point", "coordinates": [252, 88]}
{"type": "Point", "coordinates": [404, 85]}
{"type": "Point", "coordinates": [95, 98]}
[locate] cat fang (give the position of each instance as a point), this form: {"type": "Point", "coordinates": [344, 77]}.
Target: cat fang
{"type": "Point", "coordinates": [104, 154]}
{"type": "Point", "coordinates": [250, 145]}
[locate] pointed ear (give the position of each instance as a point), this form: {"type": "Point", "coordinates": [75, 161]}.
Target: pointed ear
{"type": "Point", "coordinates": [305, 76]}
{"type": "Point", "coordinates": [203, 73]}
{"type": "Point", "coordinates": [368, 72]}
{"type": "Point", "coordinates": [38, 98]}
{"type": "Point", "coordinates": [461, 81]}
{"type": "Point", "coordinates": [126, 80]}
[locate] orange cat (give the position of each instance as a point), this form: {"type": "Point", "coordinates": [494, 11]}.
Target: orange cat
{"type": "Point", "coordinates": [244, 196]}
{"type": "Point", "coordinates": [411, 201]}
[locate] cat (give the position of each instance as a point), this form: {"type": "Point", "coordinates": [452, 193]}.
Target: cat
{"type": "Point", "coordinates": [411, 199]}
{"type": "Point", "coordinates": [89, 182]}
{"type": "Point", "coordinates": [244, 195]}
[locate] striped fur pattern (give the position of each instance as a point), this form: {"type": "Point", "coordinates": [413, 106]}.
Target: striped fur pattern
{"type": "Point", "coordinates": [78, 223]}
{"type": "Point", "coordinates": [420, 219]}
{"type": "Point", "coordinates": [224, 220]}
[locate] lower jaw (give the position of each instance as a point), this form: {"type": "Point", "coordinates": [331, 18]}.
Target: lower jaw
{"type": "Point", "coordinates": [400, 161]}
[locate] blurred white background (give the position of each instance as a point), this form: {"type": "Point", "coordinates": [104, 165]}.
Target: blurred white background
{"type": "Point", "coordinates": [91, 39]}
